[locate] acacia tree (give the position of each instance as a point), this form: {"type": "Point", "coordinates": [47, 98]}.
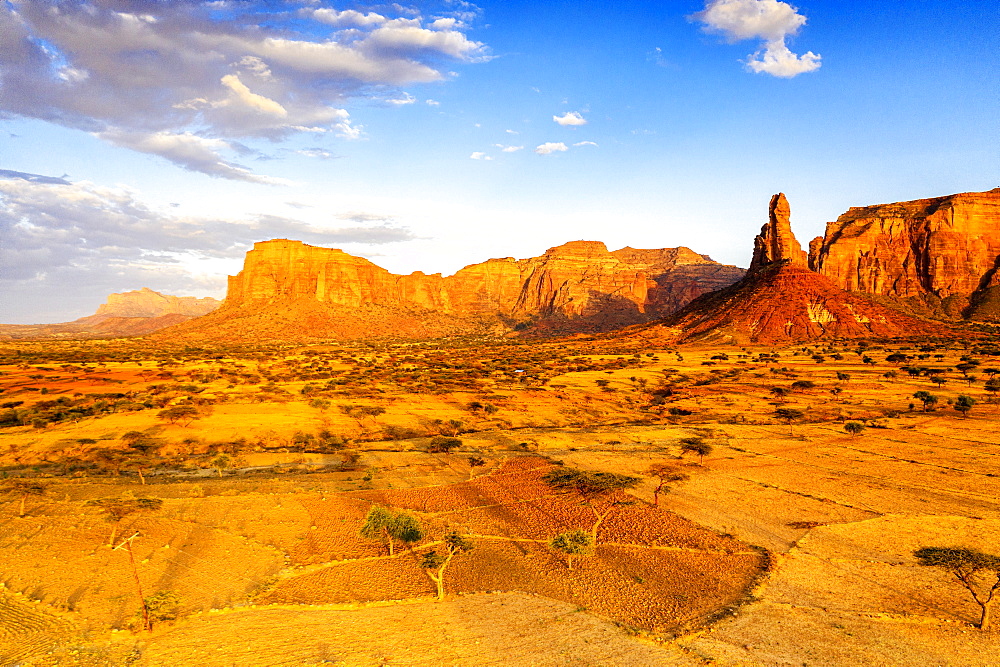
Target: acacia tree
{"type": "Point", "coordinates": [572, 544]}
{"type": "Point", "coordinates": [665, 473]}
{"type": "Point", "coordinates": [594, 487]}
{"type": "Point", "coordinates": [117, 509]}
{"type": "Point", "coordinates": [475, 462]}
{"type": "Point", "coordinates": [927, 399]}
{"type": "Point", "coordinates": [788, 415]}
{"type": "Point", "coordinates": [854, 428]}
{"type": "Point", "coordinates": [970, 567]}
{"type": "Point", "coordinates": [964, 404]}
{"type": "Point", "coordinates": [436, 563]}
{"type": "Point", "coordinates": [697, 446]}
{"type": "Point", "coordinates": [383, 524]}
{"type": "Point", "coordinates": [22, 487]}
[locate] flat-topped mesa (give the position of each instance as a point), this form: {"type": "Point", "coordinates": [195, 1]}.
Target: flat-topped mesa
{"type": "Point", "coordinates": [776, 242]}
{"type": "Point", "coordinates": [147, 303]}
{"type": "Point", "coordinates": [579, 286]}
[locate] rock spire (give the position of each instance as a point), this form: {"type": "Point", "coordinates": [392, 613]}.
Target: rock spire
{"type": "Point", "coordinates": [776, 242]}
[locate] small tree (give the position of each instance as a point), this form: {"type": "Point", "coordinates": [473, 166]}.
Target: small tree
{"type": "Point", "coordinates": [475, 462]}
{"type": "Point", "coordinates": [665, 473]}
{"type": "Point", "coordinates": [117, 509]}
{"type": "Point", "coordinates": [594, 487]}
{"type": "Point", "coordinates": [383, 524]}
{"type": "Point", "coordinates": [221, 462]}
{"type": "Point", "coordinates": [789, 415]}
{"type": "Point", "coordinates": [20, 486]}
{"type": "Point", "coordinates": [854, 428]}
{"type": "Point", "coordinates": [970, 567]}
{"type": "Point", "coordinates": [927, 399]}
{"type": "Point", "coordinates": [179, 414]}
{"type": "Point", "coordinates": [964, 404]}
{"type": "Point", "coordinates": [697, 446]}
{"type": "Point", "coordinates": [436, 563]}
{"type": "Point", "coordinates": [441, 444]}
{"type": "Point", "coordinates": [573, 544]}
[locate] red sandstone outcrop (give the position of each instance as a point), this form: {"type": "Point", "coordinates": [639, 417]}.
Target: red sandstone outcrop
{"type": "Point", "coordinates": [780, 300]}
{"type": "Point", "coordinates": [933, 255]}
{"type": "Point", "coordinates": [578, 286]}
{"type": "Point", "coordinates": [776, 242]}
{"type": "Point", "coordinates": [134, 313]}
{"type": "Point", "coordinates": [147, 303]}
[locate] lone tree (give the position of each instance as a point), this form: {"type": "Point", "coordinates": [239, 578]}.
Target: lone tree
{"type": "Point", "coordinates": [441, 444]}
{"type": "Point", "coordinates": [974, 569]}
{"type": "Point", "coordinates": [927, 399]}
{"type": "Point", "coordinates": [436, 563]}
{"type": "Point", "coordinates": [665, 473]}
{"type": "Point", "coordinates": [697, 446]}
{"type": "Point", "coordinates": [788, 415]}
{"type": "Point", "coordinates": [572, 544]}
{"type": "Point", "coordinates": [22, 487]}
{"type": "Point", "coordinates": [119, 508]}
{"type": "Point", "coordinates": [964, 404]}
{"type": "Point", "coordinates": [180, 414]}
{"type": "Point", "coordinates": [383, 524]}
{"type": "Point", "coordinates": [854, 428]}
{"type": "Point", "coordinates": [475, 462]}
{"type": "Point", "coordinates": [594, 487]}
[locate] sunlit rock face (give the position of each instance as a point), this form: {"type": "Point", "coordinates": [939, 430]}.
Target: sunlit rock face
{"type": "Point", "coordinates": [935, 255]}
{"type": "Point", "coordinates": [781, 300]}
{"type": "Point", "coordinates": [147, 303]}
{"type": "Point", "coordinates": [577, 286]}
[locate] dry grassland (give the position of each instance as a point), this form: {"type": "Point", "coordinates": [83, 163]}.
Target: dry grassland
{"type": "Point", "coordinates": [271, 535]}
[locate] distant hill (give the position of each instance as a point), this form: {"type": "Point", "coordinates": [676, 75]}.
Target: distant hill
{"type": "Point", "coordinates": [134, 313]}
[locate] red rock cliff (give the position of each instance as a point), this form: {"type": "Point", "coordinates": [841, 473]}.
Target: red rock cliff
{"type": "Point", "coordinates": [940, 250]}
{"type": "Point", "coordinates": [578, 284]}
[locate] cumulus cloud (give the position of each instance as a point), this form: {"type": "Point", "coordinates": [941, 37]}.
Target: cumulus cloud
{"type": "Point", "coordinates": [143, 74]}
{"type": "Point", "coordinates": [509, 149]}
{"type": "Point", "coordinates": [64, 241]}
{"type": "Point", "coordinates": [570, 118]}
{"type": "Point", "coordinates": [551, 147]}
{"type": "Point", "coordinates": [402, 101]}
{"type": "Point", "coordinates": [479, 155]}
{"type": "Point", "coordinates": [772, 21]}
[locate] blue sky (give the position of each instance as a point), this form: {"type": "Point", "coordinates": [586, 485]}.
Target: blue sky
{"type": "Point", "coordinates": [151, 143]}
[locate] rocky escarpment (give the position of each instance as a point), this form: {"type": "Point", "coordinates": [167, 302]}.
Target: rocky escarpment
{"type": "Point", "coordinates": [134, 313]}
{"type": "Point", "coordinates": [781, 300]}
{"type": "Point", "coordinates": [934, 256]}
{"type": "Point", "coordinates": [147, 303]}
{"type": "Point", "coordinates": [290, 289]}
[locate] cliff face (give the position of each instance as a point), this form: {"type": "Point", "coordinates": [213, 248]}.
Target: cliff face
{"type": "Point", "coordinates": [135, 313]}
{"type": "Point", "coordinates": [940, 254]}
{"type": "Point", "coordinates": [780, 300]}
{"type": "Point", "coordinates": [147, 303]}
{"type": "Point", "coordinates": [578, 286]}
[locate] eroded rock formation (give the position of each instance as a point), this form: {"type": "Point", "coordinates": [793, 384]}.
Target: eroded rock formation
{"type": "Point", "coordinates": [578, 286]}
{"type": "Point", "coordinates": [147, 303]}
{"type": "Point", "coordinates": [781, 300]}
{"type": "Point", "coordinates": [935, 255]}
{"type": "Point", "coordinates": [134, 313]}
{"type": "Point", "coordinates": [776, 242]}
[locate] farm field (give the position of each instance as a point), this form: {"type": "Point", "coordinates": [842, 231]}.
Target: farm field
{"type": "Point", "coordinates": [789, 541]}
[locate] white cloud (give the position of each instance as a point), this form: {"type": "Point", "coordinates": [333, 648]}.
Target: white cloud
{"type": "Point", "coordinates": [551, 147]}
{"type": "Point", "coordinates": [772, 21]}
{"type": "Point", "coordinates": [512, 132]}
{"type": "Point", "coordinates": [187, 150]}
{"type": "Point", "coordinates": [402, 101]}
{"type": "Point", "coordinates": [585, 143]}
{"type": "Point", "coordinates": [777, 60]}
{"type": "Point", "coordinates": [479, 155]}
{"type": "Point", "coordinates": [432, 103]}
{"type": "Point", "coordinates": [570, 118]}
{"type": "Point", "coordinates": [131, 68]}
{"type": "Point", "coordinates": [508, 149]}
{"type": "Point", "coordinates": [68, 243]}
